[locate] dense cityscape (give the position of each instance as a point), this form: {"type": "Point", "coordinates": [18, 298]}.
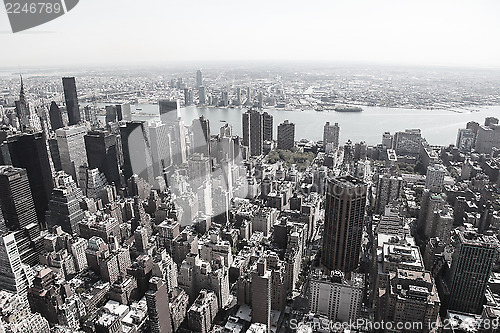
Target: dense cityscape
{"type": "Point", "coordinates": [109, 223]}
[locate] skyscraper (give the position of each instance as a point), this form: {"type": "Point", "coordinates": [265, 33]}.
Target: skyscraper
{"type": "Point", "coordinates": [160, 147]}
{"type": "Point", "coordinates": [158, 309]}
{"type": "Point", "coordinates": [201, 95]}
{"type": "Point", "coordinates": [71, 98]}
{"type": "Point", "coordinates": [55, 115]}
{"type": "Point", "coordinates": [27, 118]}
{"type": "Point", "coordinates": [168, 110]}
{"type": "Point", "coordinates": [407, 142]}
{"type": "Point", "coordinates": [71, 144]}
{"type": "Point", "coordinates": [473, 259]}
{"type": "Point", "coordinates": [188, 96]}
{"type": "Point", "coordinates": [19, 212]}
{"type": "Point", "coordinates": [29, 151]}
{"type": "Point", "coordinates": [137, 156]}
{"type": "Point", "coordinates": [16, 198]}
{"type": "Point", "coordinates": [261, 294]}
{"type": "Point", "coordinates": [253, 132]}
{"type": "Point", "coordinates": [104, 153]}
{"type": "Point", "coordinates": [64, 206]}
{"type": "Point", "coordinates": [331, 136]}
{"type": "Point", "coordinates": [434, 180]}
{"type": "Point", "coordinates": [169, 114]}
{"type": "Point", "coordinates": [286, 135]}
{"type": "Point", "coordinates": [344, 217]}
{"type": "Point", "coordinates": [388, 189]}
{"type": "Point", "coordinates": [11, 273]}
{"type": "Point", "coordinates": [267, 125]}
{"type": "Point", "coordinates": [199, 79]}
{"type": "Point", "coordinates": [201, 136]}
{"type": "Point", "coordinates": [465, 140]}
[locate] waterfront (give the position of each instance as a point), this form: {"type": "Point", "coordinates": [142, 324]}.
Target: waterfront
{"type": "Point", "coordinates": [439, 127]}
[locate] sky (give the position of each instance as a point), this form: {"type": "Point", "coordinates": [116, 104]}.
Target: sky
{"type": "Point", "coordinates": [144, 32]}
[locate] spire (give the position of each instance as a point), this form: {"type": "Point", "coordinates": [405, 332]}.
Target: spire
{"type": "Point", "coordinates": [22, 97]}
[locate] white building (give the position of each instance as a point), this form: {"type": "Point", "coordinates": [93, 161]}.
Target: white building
{"type": "Point", "coordinates": [336, 297]}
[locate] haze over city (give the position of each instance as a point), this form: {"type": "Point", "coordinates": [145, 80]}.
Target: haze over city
{"type": "Point", "coordinates": [449, 33]}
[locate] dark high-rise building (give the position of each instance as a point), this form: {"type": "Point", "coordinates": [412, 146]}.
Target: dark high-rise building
{"type": "Point", "coordinates": [267, 125]}
{"type": "Point", "coordinates": [137, 155]}
{"type": "Point", "coordinates": [199, 79]}
{"type": "Point", "coordinates": [286, 135]}
{"type": "Point", "coordinates": [19, 212]}
{"type": "Point", "coordinates": [71, 98]}
{"type": "Point", "coordinates": [104, 153]}
{"type": "Point", "coordinates": [158, 308]}
{"type": "Point", "coordinates": [55, 115]}
{"type": "Point", "coordinates": [261, 294]}
{"type": "Point", "coordinates": [123, 112]}
{"type": "Point", "coordinates": [111, 113]}
{"type": "Point", "coordinates": [15, 198]}
{"type": "Point", "coordinates": [473, 259]}
{"type": "Point", "coordinates": [29, 151]}
{"type": "Point", "coordinates": [188, 96]}
{"type": "Point", "coordinates": [168, 110]}
{"type": "Point", "coordinates": [253, 132]}
{"type": "Point", "coordinates": [344, 217]}
{"type": "Point", "coordinates": [331, 137]}
{"type": "Point", "coordinates": [169, 114]}
{"type": "Point", "coordinates": [201, 95]}
{"type": "Point", "coordinates": [201, 136]}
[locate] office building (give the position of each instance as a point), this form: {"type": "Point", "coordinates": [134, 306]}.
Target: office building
{"type": "Point", "coordinates": [434, 179]}
{"type": "Point", "coordinates": [200, 129]}
{"type": "Point", "coordinates": [55, 115]}
{"type": "Point", "coordinates": [71, 97]}
{"type": "Point", "coordinates": [407, 142]}
{"type": "Point", "coordinates": [472, 262]}
{"type": "Point", "coordinates": [344, 217]}
{"type": "Point", "coordinates": [261, 294]}
{"type": "Point", "coordinates": [136, 148]}
{"type": "Point", "coordinates": [267, 125]}
{"type": "Point", "coordinates": [104, 153]}
{"type": "Point", "coordinates": [158, 309]}
{"type": "Point", "coordinates": [30, 152]}
{"type": "Point", "coordinates": [336, 297]}
{"type": "Point", "coordinates": [160, 147]}
{"type": "Point", "coordinates": [203, 311]}
{"type": "Point", "coordinates": [202, 95]}
{"type": "Point", "coordinates": [465, 140]}
{"type": "Point", "coordinates": [388, 190]}
{"type": "Point", "coordinates": [488, 136]}
{"type": "Point", "coordinates": [199, 79]}
{"type": "Point", "coordinates": [169, 110]}
{"type": "Point", "coordinates": [16, 199]}
{"type": "Point", "coordinates": [331, 137]}
{"type": "Point", "coordinates": [64, 206]}
{"type": "Point", "coordinates": [253, 132]}
{"type": "Point", "coordinates": [411, 297]}
{"type": "Point", "coordinates": [12, 276]}
{"type": "Point", "coordinates": [188, 96]}
{"type": "Point", "coordinates": [71, 144]}
{"type": "Point", "coordinates": [286, 135]}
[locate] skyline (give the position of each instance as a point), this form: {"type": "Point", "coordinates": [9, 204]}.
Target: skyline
{"type": "Point", "coordinates": [447, 33]}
